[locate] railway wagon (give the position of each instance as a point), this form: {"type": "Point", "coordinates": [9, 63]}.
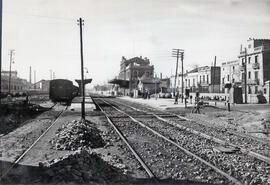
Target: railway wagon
{"type": "Point", "coordinates": [62, 90]}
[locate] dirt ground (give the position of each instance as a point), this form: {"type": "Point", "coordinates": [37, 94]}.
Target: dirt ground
{"type": "Point", "coordinates": [249, 122]}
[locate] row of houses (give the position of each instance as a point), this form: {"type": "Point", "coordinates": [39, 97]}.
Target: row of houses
{"type": "Point", "coordinates": [250, 71]}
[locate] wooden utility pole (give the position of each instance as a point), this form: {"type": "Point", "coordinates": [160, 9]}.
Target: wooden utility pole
{"type": "Point", "coordinates": [10, 61]}
{"type": "Point", "coordinates": [0, 50]}
{"type": "Point", "coordinates": [182, 61]}
{"type": "Point", "coordinates": [177, 53]}
{"type": "Point", "coordinates": [81, 23]}
{"type": "Point", "coordinates": [245, 65]}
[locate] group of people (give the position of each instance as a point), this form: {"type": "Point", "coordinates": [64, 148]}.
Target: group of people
{"type": "Point", "coordinates": [146, 94]}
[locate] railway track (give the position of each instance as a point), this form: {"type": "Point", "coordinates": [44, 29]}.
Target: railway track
{"type": "Point", "coordinates": [19, 158]}
{"type": "Point", "coordinates": [239, 165]}
{"type": "Point", "coordinates": [146, 141]}
{"type": "Point", "coordinates": [254, 147]}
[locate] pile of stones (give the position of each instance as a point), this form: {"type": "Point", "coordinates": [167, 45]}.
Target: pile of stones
{"type": "Point", "coordinates": [77, 135]}
{"type": "Point", "coordinates": [80, 167]}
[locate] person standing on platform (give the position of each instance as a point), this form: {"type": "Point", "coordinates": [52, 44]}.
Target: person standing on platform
{"type": "Point", "coordinates": [176, 97]}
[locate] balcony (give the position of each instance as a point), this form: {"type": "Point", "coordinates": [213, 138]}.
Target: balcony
{"type": "Point", "coordinates": [256, 66]}
{"type": "Point", "coordinates": [204, 83]}
{"type": "Point", "coordinates": [253, 82]}
{"type": "Point", "coordinates": [258, 49]}
{"type": "Point", "coordinates": [242, 52]}
{"type": "Point", "coordinates": [242, 68]}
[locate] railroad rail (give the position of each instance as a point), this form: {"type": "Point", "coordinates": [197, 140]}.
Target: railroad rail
{"type": "Point", "coordinates": [175, 144]}
{"type": "Point", "coordinates": [20, 157]}
{"type": "Point", "coordinates": [146, 168]}
{"type": "Point", "coordinates": [206, 136]}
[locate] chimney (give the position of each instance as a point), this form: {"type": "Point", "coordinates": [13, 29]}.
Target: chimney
{"type": "Point", "coordinates": [30, 75]}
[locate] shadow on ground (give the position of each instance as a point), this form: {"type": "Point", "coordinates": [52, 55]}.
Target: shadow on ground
{"type": "Point", "coordinates": [23, 174]}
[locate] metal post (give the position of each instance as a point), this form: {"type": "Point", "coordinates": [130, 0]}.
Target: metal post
{"type": "Point", "coordinates": [245, 75]}
{"type": "Point", "coordinates": [82, 72]}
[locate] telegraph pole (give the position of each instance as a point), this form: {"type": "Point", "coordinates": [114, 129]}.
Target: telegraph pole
{"type": "Point", "coordinates": [177, 53]}
{"type": "Point", "coordinates": [81, 23]}
{"type": "Point", "coordinates": [245, 65]}
{"type": "Point", "coordinates": [182, 60]}
{"type": "Point", "coordinates": [10, 61]}
{"type": "Point", "coordinates": [0, 50]}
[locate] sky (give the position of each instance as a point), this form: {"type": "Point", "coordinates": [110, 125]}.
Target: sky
{"type": "Point", "coordinates": [45, 34]}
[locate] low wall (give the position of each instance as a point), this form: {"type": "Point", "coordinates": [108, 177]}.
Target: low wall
{"type": "Point", "coordinates": [211, 95]}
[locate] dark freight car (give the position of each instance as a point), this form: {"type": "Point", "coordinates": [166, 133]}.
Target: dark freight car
{"type": "Point", "coordinates": [62, 90]}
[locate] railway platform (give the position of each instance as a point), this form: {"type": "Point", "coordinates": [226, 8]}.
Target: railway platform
{"type": "Point", "coordinates": [76, 104]}
{"type": "Point", "coordinates": [160, 103]}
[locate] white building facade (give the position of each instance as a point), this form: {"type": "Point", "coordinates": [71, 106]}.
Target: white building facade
{"type": "Point", "coordinates": [256, 56]}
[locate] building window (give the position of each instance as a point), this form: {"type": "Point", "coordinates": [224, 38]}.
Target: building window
{"type": "Point", "coordinates": [249, 75]}
{"type": "Point", "coordinates": [189, 82]}
{"type": "Point", "coordinates": [135, 74]}
{"type": "Point", "coordinates": [223, 80]}
{"type": "Point", "coordinates": [249, 58]}
{"type": "Point", "coordinates": [207, 79]}
{"type": "Point", "coordinates": [233, 68]}
{"type": "Point", "coordinates": [228, 78]}
{"type": "Point", "coordinates": [264, 91]}
{"type": "Point", "coordinates": [200, 79]}
{"type": "Point", "coordinates": [249, 90]}
{"type": "Point", "coordinates": [249, 46]}
{"type": "Point", "coordinates": [256, 59]}
{"type": "Point", "coordinates": [256, 89]}
{"type": "Point", "coordinates": [223, 68]}
{"type": "Point", "coordinates": [193, 81]}
{"type": "Point", "coordinates": [233, 80]}
{"type": "Point", "coordinates": [203, 78]}
{"type": "Point", "coordinates": [243, 76]}
{"type": "Point", "coordinates": [243, 61]}
{"type": "Point", "coordinates": [256, 75]}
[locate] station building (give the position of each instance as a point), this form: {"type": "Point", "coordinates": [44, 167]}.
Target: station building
{"type": "Point", "coordinates": [256, 56]}
{"type": "Point", "coordinates": [133, 71]}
